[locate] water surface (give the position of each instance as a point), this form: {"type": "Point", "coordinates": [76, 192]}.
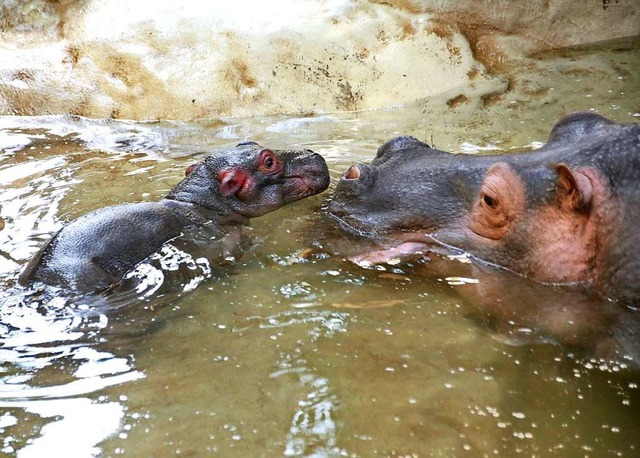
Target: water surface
{"type": "Point", "coordinates": [293, 350]}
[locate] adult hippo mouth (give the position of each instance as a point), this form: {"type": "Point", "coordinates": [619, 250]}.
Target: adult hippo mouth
{"type": "Point", "coordinates": [392, 248]}
{"type": "Point", "coordinates": [388, 253]}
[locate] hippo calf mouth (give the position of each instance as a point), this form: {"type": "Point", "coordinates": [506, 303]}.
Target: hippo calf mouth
{"type": "Point", "coordinates": [297, 187]}
{"type": "Point", "coordinates": [305, 175]}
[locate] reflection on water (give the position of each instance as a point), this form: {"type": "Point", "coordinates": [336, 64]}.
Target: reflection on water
{"type": "Point", "coordinates": [70, 430]}
{"type": "Point", "coordinates": [292, 350]}
{"type": "Point", "coordinates": [313, 429]}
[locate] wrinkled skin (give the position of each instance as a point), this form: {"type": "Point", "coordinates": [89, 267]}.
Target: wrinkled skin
{"type": "Point", "coordinates": [217, 197]}
{"type": "Point", "coordinates": [566, 213]}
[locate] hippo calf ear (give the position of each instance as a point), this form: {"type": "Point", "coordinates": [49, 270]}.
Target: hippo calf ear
{"type": "Point", "coordinates": [231, 181]}
{"type": "Point", "coordinates": [573, 189]}
{"type": "Point", "coordinates": [247, 144]}
{"type": "Point", "coordinates": [190, 169]}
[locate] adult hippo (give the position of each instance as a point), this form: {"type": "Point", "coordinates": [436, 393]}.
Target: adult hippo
{"type": "Point", "coordinates": [217, 197]}
{"type": "Point", "coordinates": [566, 213]}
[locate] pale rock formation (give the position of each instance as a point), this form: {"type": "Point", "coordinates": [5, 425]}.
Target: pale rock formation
{"type": "Point", "coordinates": [159, 59]}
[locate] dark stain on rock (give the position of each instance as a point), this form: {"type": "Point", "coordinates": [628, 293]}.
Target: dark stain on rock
{"type": "Point", "coordinates": [347, 99]}
{"type": "Point", "coordinates": [482, 46]}
{"type": "Point", "coordinates": [454, 50]}
{"type": "Point", "coordinates": [245, 77]}
{"type": "Point", "coordinates": [408, 30]}
{"type": "Point", "coordinates": [536, 92]}
{"type": "Point", "coordinates": [80, 109]}
{"type": "Point", "coordinates": [362, 55]}
{"type": "Point", "coordinates": [239, 76]}
{"type": "Point", "coordinates": [23, 75]}
{"type": "Point", "coordinates": [578, 72]}
{"type": "Point", "coordinates": [473, 73]}
{"type": "Point", "coordinates": [494, 97]}
{"type": "Point", "coordinates": [73, 55]}
{"type": "Point", "coordinates": [491, 99]}
{"type": "Point", "coordinates": [120, 69]}
{"type": "Point", "coordinates": [442, 29]}
{"type": "Point", "coordinates": [458, 100]}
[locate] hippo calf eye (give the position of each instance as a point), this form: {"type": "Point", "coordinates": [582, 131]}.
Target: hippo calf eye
{"type": "Point", "coordinates": [268, 162]}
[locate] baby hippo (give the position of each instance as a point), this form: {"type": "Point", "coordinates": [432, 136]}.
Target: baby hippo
{"type": "Point", "coordinates": [218, 195]}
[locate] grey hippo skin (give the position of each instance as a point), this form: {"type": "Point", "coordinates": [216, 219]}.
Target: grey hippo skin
{"type": "Point", "coordinates": [568, 212]}
{"type": "Point", "coordinates": [223, 191]}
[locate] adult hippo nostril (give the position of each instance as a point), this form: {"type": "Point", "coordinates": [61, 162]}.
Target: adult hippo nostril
{"type": "Point", "coordinates": [352, 173]}
{"type": "Point", "coordinates": [357, 176]}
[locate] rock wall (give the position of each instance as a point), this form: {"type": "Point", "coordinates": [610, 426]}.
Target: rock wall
{"type": "Point", "coordinates": [159, 59]}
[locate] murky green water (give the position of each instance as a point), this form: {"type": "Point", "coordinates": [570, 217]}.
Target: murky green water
{"type": "Point", "coordinates": [296, 351]}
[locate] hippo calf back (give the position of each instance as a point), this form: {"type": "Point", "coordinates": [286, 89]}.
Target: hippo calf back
{"type": "Point", "coordinates": [566, 213]}
{"type": "Point", "coordinates": [218, 196]}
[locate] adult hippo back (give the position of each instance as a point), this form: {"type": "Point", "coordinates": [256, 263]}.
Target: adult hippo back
{"type": "Point", "coordinates": [566, 213]}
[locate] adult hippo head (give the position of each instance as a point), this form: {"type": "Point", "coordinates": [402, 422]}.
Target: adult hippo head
{"type": "Point", "coordinates": [566, 213]}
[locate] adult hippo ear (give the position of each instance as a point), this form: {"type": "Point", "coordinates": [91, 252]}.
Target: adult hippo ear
{"type": "Point", "coordinates": [573, 127]}
{"type": "Point", "coordinates": [499, 203]}
{"type": "Point", "coordinates": [574, 190]}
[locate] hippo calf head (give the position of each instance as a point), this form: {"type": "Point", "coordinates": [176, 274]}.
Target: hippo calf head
{"type": "Point", "coordinates": [566, 213]}
{"type": "Point", "coordinates": [250, 180]}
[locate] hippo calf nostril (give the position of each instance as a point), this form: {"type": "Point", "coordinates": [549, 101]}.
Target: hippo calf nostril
{"type": "Point", "coordinates": [352, 173]}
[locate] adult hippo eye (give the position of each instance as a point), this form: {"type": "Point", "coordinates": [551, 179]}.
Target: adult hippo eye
{"type": "Point", "coordinates": [500, 201]}
{"type": "Point", "coordinates": [490, 201]}
{"type": "Point", "coordinates": [268, 162]}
